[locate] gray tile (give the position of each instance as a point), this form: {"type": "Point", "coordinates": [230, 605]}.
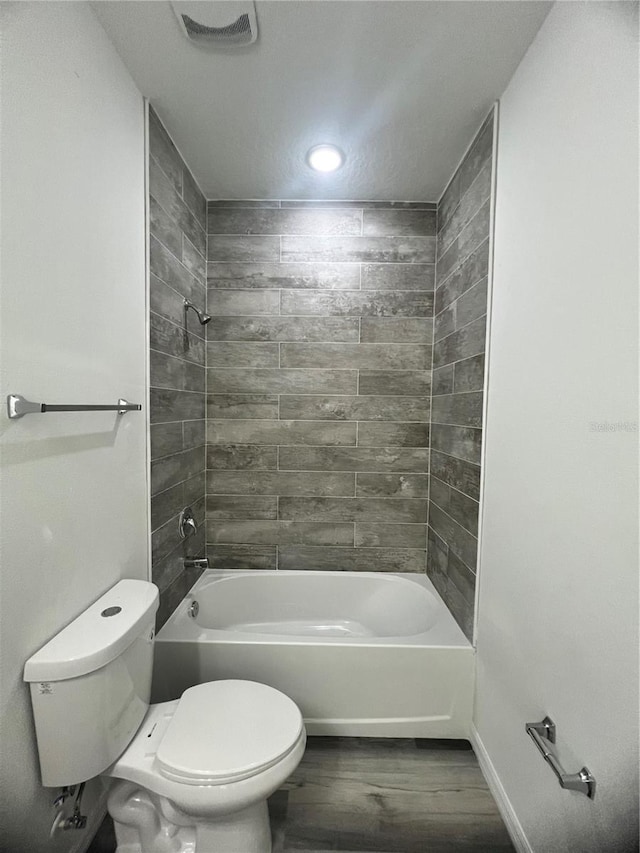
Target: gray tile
{"type": "Point", "coordinates": [242, 406]}
{"type": "Point", "coordinates": [365, 205]}
{"type": "Point", "coordinates": [462, 475]}
{"type": "Point", "coordinates": [463, 578]}
{"type": "Point", "coordinates": [164, 151]}
{"type": "Point", "coordinates": [193, 197]}
{"type": "Point", "coordinates": [170, 470]}
{"type": "Point", "coordinates": [437, 557]}
{"type": "Point", "coordinates": [472, 304]}
{"type": "Point", "coordinates": [412, 250]}
{"type": "Point", "coordinates": [242, 556]}
{"type": "Point", "coordinates": [461, 508]}
{"type": "Point", "coordinates": [238, 249]}
{"type": "Point", "coordinates": [298, 557]}
{"type": "Point", "coordinates": [373, 459]}
{"type": "Point", "coordinates": [325, 483]}
{"type": "Point", "coordinates": [280, 432]}
{"type": "Point", "coordinates": [468, 341]}
{"type": "Point", "coordinates": [460, 409]}
{"type": "Point", "coordinates": [284, 329]}
{"type": "Point", "coordinates": [353, 509]}
{"type": "Point", "coordinates": [472, 270]}
{"type": "Point", "coordinates": [444, 322]}
{"type": "Point", "coordinates": [165, 301]}
{"type": "Point", "coordinates": [459, 441]}
{"type": "Point", "coordinates": [443, 380]}
{"type": "Point", "coordinates": [193, 260]}
{"type": "Point", "coordinates": [281, 381]}
{"type": "Point", "coordinates": [398, 277]}
{"type": "Point", "coordinates": [393, 435]}
{"type": "Point", "coordinates": [169, 270]}
{"type": "Point", "coordinates": [371, 356]}
{"type": "Point", "coordinates": [166, 505]}
{"type": "Point", "coordinates": [459, 540]}
{"type": "Point", "coordinates": [395, 382]}
{"type": "Point", "coordinates": [193, 433]}
{"type": "Point", "coordinates": [164, 540]}
{"type": "Point", "coordinates": [169, 199]}
{"type": "Point", "coordinates": [357, 303]}
{"type": "Point", "coordinates": [350, 408]}
{"type": "Point", "coordinates": [407, 330]}
{"type": "Point", "coordinates": [461, 609]}
{"type": "Point", "coordinates": [234, 354]}
{"type": "Point", "coordinates": [165, 439]}
{"type": "Point", "coordinates": [214, 204]}
{"type": "Point", "coordinates": [479, 153]}
{"type": "Point", "coordinates": [278, 533]}
{"type": "Point", "coordinates": [169, 372]}
{"type": "Point", "coordinates": [174, 593]}
{"type": "Point", "coordinates": [469, 205]}
{"type": "Point", "coordinates": [469, 374]}
{"type": "Point", "coordinates": [238, 456]}
{"type": "Point", "coordinates": [283, 221]}
{"type": "Point", "coordinates": [163, 228]}
{"type": "Point", "coordinates": [169, 405]}
{"type": "Point", "coordinates": [471, 236]}
{"type": "Point", "coordinates": [390, 535]}
{"type": "Point", "coordinates": [392, 485]}
{"type": "Point", "coordinates": [416, 223]}
{"type": "Point", "coordinates": [171, 339]}
{"type": "Point", "coordinates": [224, 303]}
{"type": "Point", "coordinates": [275, 275]}
{"type": "Point", "coordinates": [194, 491]}
{"type": "Point", "coordinates": [241, 506]}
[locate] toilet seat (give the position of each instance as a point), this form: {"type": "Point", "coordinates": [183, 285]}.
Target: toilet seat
{"type": "Point", "coordinates": [226, 731]}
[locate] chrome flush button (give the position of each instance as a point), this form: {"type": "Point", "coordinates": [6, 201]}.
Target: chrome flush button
{"type": "Point", "coordinates": [111, 611]}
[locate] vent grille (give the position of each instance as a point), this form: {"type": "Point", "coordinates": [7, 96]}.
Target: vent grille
{"type": "Point", "coordinates": [237, 33]}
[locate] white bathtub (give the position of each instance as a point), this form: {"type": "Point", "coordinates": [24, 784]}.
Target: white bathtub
{"type": "Point", "coordinates": [362, 653]}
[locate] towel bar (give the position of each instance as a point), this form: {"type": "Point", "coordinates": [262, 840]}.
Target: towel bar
{"type": "Point", "coordinates": [17, 407]}
{"type": "Point", "coordinates": [581, 781]}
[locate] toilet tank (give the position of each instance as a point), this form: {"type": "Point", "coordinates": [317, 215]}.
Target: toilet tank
{"type": "Point", "coordinates": [91, 683]}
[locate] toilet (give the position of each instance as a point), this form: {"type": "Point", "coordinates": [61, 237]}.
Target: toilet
{"type": "Point", "coordinates": [192, 775]}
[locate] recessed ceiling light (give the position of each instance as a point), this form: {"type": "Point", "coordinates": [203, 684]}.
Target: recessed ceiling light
{"type": "Point", "coordinates": [325, 158]}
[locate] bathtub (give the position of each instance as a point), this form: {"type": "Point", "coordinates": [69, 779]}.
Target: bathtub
{"type": "Point", "coordinates": [363, 654]}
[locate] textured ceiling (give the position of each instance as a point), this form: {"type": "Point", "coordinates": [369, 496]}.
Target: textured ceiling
{"type": "Point", "coordinates": [399, 86]}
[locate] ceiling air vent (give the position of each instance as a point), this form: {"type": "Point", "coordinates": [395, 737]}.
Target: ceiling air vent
{"type": "Point", "coordinates": [222, 23]}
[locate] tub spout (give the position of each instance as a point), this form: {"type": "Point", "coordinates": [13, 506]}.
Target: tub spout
{"type": "Point", "coordinates": [196, 562]}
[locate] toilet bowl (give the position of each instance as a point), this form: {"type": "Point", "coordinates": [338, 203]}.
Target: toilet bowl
{"type": "Point", "coordinates": [192, 775]}
{"type": "Point", "coordinates": [197, 774]}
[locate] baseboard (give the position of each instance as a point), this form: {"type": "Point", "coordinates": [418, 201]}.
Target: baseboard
{"type": "Point", "coordinates": [514, 827]}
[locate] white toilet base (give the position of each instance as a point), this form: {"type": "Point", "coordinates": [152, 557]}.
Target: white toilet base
{"type": "Point", "coordinates": [147, 823]}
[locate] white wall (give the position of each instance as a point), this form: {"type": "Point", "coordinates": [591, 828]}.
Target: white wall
{"type": "Point", "coordinates": [558, 617]}
{"type": "Point", "coordinates": [74, 517]}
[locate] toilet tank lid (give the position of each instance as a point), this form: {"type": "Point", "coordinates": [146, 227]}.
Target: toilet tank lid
{"type": "Point", "coordinates": [98, 635]}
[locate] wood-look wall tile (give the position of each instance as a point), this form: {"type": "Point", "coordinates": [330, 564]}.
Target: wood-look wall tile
{"type": "Point", "coordinates": [392, 485]}
{"type": "Point", "coordinates": [459, 441]}
{"type": "Point", "coordinates": [353, 509]}
{"type": "Point", "coordinates": [461, 409]}
{"type": "Point", "coordinates": [364, 205]}
{"type": "Point", "coordinates": [479, 153]}
{"type": "Point", "coordinates": [460, 507]}
{"type": "Point", "coordinates": [383, 383]}
{"type": "Point", "coordinates": [467, 341]}
{"type": "Point", "coordinates": [242, 406]}
{"type": "Point", "coordinates": [166, 404]}
{"type": "Point", "coordinates": [170, 470]}
{"type": "Point", "coordinates": [171, 201]}
{"type": "Point", "coordinates": [306, 484]}
{"type": "Point", "coordinates": [398, 222]}
{"type": "Point", "coordinates": [193, 433]}
{"type": "Point", "coordinates": [242, 506]}
{"type": "Point", "coordinates": [411, 250]}
{"type": "Point", "coordinates": [165, 439]}
{"type": "Point", "coordinates": [238, 249]}
{"type": "Point", "coordinates": [407, 330]}
{"type": "Point", "coordinates": [238, 457]}
{"type": "Point", "coordinates": [281, 381]}
{"type": "Point", "coordinates": [353, 303]}
{"type": "Point", "coordinates": [385, 535]}
{"type": "Point", "coordinates": [171, 339]}
{"type": "Point", "coordinates": [472, 270]}
{"type": "Point", "coordinates": [460, 541]}
{"type": "Point", "coordinates": [166, 505]}
{"type": "Point", "coordinates": [194, 199]}
{"type": "Point", "coordinates": [469, 374]}
{"type": "Point", "coordinates": [280, 432]}
{"type": "Point", "coordinates": [471, 236]}
{"type": "Point", "coordinates": [234, 203]}
{"type": "Point", "coordinates": [393, 434]}
{"type": "Point", "coordinates": [442, 380]}
{"type": "Point", "coordinates": [284, 329]}
{"type": "Point", "coordinates": [370, 356]}
{"type": "Point", "coordinates": [462, 475]}
{"type": "Point", "coordinates": [164, 229]}
{"type": "Point", "coordinates": [242, 556]}
{"type": "Point", "coordinates": [284, 221]}
{"type": "Point", "coordinates": [234, 354]}
{"type": "Point", "coordinates": [350, 408]}
{"type": "Point", "coordinates": [222, 303]}
{"type": "Point", "coordinates": [409, 459]}
{"type": "Point", "coordinates": [398, 277]}
{"type": "Point", "coordinates": [274, 276]}
{"type": "Point", "coordinates": [166, 371]}
{"type": "Point", "coordinates": [469, 205]}
{"type": "Point", "coordinates": [308, 557]}
{"type": "Point", "coordinates": [164, 151]}
{"type": "Point", "coordinates": [166, 302]}
{"type": "Point", "coordinates": [169, 270]}
{"type": "Point", "coordinates": [472, 304]}
{"type": "Point", "coordinates": [444, 322]}
{"type": "Point", "coordinates": [193, 260]}
{"type": "Point", "coordinates": [278, 533]}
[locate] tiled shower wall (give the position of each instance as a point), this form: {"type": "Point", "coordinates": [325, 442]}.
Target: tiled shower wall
{"type": "Point", "coordinates": [177, 214]}
{"type": "Point", "coordinates": [458, 378]}
{"type": "Point", "coordinates": [318, 384]}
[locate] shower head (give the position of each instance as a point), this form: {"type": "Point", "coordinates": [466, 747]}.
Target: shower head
{"type": "Point", "coordinates": [202, 317]}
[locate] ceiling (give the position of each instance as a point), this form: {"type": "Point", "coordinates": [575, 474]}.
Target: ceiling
{"type": "Point", "coordinates": [399, 86]}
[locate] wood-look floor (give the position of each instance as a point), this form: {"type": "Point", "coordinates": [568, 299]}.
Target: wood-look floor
{"type": "Point", "coordinates": [377, 795]}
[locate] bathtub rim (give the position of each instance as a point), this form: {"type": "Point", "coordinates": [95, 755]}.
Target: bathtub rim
{"type": "Point", "coordinates": [180, 628]}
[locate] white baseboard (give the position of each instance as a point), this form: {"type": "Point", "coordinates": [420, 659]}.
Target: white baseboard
{"type": "Point", "coordinates": [514, 827]}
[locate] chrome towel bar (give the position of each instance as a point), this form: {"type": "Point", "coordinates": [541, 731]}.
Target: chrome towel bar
{"type": "Point", "coordinates": [17, 407]}
{"type": "Point", "coordinates": [543, 733]}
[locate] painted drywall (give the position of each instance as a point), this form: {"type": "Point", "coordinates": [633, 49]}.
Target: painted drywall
{"type": "Point", "coordinates": [558, 611]}
{"type": "Point", "coordinates": [74, 502]}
